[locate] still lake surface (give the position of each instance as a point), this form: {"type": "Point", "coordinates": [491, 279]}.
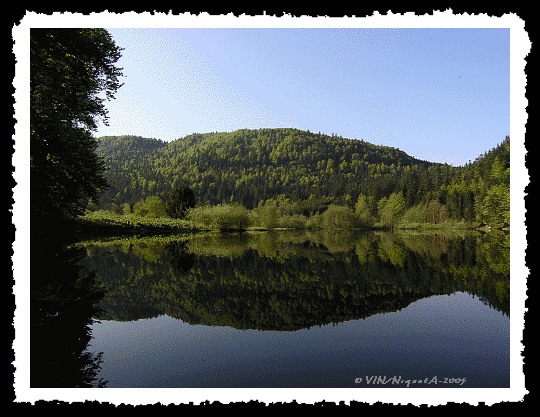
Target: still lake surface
{"type": "Point", "coordinates": [293, 309]}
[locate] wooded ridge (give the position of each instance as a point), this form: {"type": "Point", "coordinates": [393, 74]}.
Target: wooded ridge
{"type": "Point", "coordinates": [313, 170]}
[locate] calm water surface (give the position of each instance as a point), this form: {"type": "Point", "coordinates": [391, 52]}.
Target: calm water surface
{"type": "Point", "coordinates": [300, 309]}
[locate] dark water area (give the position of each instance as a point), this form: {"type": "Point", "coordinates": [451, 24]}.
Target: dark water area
{"type": "Point", "coordinates": [276, 309]}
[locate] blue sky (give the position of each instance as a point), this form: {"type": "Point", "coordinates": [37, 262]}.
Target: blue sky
{"type": "Point", "coordinates": [440, 94]}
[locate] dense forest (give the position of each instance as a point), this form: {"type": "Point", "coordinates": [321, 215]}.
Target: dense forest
{"type": "Point", "coordinates": [311, 170]}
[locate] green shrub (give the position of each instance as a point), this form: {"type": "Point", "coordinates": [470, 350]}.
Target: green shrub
{"type": "Point", "coordinates": [339, 217]}
{"type": "Point", "coordinates": [278, 212]}
{"type": "Point", "coordinates": [155, 207]}
{"type": "Point", "coordinates": [432, 212]}
{"type": "Point", "coordinates": [227, 216]}
{"type": "Point", "coordinates": [126, 209]}
{"type": "Point", "coordinates": [115, 209]}
{"type": "Point", "coordinates": [268, 215]}
{"type": "Point", "coordinates": [315, 221]}
{"type": "Point", "coordinates": [139, 209]}
{"type": "Point", "coordinates": [151, 207]}
{"type": "Point", "coordinates": [202, 216]}
{"type": "Point", "coordinates": [295, 221]}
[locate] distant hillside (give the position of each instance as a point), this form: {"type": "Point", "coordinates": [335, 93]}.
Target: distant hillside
{"type": "Point", "coordinates": [118, 149]}
{"type": "Point", "coordinates": [314, 170]}
{"type": "Point", "coordinates": [248, 166]}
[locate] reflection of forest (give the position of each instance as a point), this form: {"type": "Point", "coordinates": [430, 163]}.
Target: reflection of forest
{"type": "Point", "coordinates": [290, 280]}
{"type": "Point", "coordinates": [63, 301]}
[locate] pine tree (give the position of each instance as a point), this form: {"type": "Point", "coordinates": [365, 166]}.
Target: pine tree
{"type": "Point", "coordinates": [180, 201]}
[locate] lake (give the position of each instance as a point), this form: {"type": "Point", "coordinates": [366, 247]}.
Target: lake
{"type": "Point", "coordinates": [299, 309]}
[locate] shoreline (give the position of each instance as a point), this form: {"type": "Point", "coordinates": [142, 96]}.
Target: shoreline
{"type": "Point", "coordinates": [85, 228]}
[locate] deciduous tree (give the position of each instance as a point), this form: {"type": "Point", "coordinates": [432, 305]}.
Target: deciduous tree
{"type": "Point", "coordinates": [70, 70]}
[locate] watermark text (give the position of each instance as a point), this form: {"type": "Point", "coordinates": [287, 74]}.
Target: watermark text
{"type": "Point", "coordinates": [398, 380]}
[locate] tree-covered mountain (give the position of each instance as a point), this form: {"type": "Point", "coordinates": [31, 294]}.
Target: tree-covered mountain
{"type": "Point", "coordinates": [251, 166]}
{"type": "Point", "coordinates": [248, 166]}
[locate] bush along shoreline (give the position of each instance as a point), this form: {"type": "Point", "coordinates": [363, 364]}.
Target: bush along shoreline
{"type": "Point", "coordinates": [235, 218]}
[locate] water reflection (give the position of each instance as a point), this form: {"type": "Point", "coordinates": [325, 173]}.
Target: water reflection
{"type": "Point", "coordinates": [259, 289]}
{"type": "Point", "coordinates": [64, 299]}
{"type": "Point", "coordinates": [286, 281]}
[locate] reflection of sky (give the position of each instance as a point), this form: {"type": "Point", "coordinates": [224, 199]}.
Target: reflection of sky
{"type": "Point", "coordinates": [446, 336]}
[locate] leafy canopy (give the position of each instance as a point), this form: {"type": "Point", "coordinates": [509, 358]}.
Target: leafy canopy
{"type": "Point", "coordinates": [70, 70]}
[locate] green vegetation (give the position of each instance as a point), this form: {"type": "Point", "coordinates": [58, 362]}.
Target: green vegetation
{"type": "Point", "coordinates": [106, 223]}
{"type": "Point", "coordinates": [222, 217]}
{"type": "Point", "coordinates": [72, 73]}
{"type": "Point", "coordinates": [265, 178]}
{"type": "Point", "coordinates": [478, 196]}
{"type": "Point", "coordinates": [70, 69]}
{"type": "Point", "coordinates": [152, 207]}
{"type": "Point", "coordinates": [180, 201]}
{"type": "Point", "coordinates": [248, 179]}
{"type": "Point", "coordinates": [290, 178]}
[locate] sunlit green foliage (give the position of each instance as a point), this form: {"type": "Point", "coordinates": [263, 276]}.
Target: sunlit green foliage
{"type": "Point", "coordinates": [251, 165]}
{"type": "Point", "coordinates": [278, 173]}
{"type": "Point", "coordinates": [155, 207]}
{"type": "Point", "coordinates": [222, 217]}
{"type": "Point", "coordinates": [150, 207]}
{"type": "Point", "coordinates": [315, 221]}
{"type": "Point", "coordinates": [126, 209]}
{"type": "Point", "coordinates": [496, 206]}
{"type": "Point", "coordinates": [432, 212]}
{"type": "Point", "coordinates": [103, 222]}
{"type": "Point", "coordinates": [267, 214]}
{"type": "Point", "coordinates": [339, 217]}
{"type": "Point", "coordinates": [295, 221]}
{"type": "Point", "coordinates": [391, 211]}
{"type": "Point", "coordinates": [363, 210]}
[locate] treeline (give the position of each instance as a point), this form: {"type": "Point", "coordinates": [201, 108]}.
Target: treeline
{"type": "Point", "coordinates": [304, 174]}
{"type": "Point", "coordinates": [249, 166]}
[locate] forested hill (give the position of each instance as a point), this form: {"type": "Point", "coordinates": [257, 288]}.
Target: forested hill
{"type": "Point", "coordinates": [119, 149]}
{"type": "Point", "coordinates": [250, 166]}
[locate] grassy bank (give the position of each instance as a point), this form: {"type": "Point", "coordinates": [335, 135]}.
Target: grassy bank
{"type": "Point", "coordinates": [104, 223]}
{"type": "Point", "coordinates": [235, 217]}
